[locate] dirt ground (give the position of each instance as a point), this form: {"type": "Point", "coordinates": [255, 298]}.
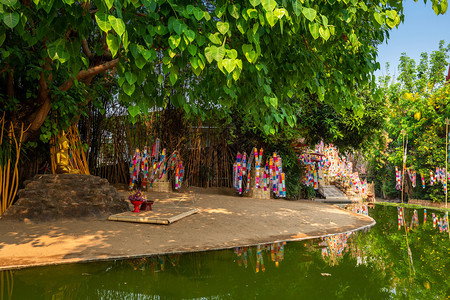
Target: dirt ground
{"type": "Point", "coordinates": [223, 221]}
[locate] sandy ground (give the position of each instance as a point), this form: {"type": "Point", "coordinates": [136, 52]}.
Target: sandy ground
{"type": "Point", "coordinates": [222, 222]}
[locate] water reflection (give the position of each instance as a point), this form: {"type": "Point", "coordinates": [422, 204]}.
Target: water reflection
{"type": "Point", "coordinates": [440, 220]}
{"type": "Point", "coordinates": [6, 284]}
{"type": "Point", "coordinates": [274, 252]}
{"type": "Point", "coordinates": [153, 263]}
{"type": "Point", "coordinates": [334, 247]}
{"type": "Point", "coordinates": [382, 263]}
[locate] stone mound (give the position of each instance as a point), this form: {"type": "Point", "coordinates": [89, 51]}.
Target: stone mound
{"type": "Point", "coordinates": [65, 196]}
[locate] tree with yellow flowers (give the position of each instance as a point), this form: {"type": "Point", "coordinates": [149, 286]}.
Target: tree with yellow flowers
{"type": "Point", "coordinates": [418, 104]}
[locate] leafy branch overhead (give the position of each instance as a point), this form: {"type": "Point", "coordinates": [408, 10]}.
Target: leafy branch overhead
{"type": "Point", "coordinates": [259, 56]}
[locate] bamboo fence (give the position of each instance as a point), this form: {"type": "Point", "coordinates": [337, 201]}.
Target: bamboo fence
{"type": "Point", "coordinates": [207, 158]}
{"type": "Point", "coordinates": [10, 148]}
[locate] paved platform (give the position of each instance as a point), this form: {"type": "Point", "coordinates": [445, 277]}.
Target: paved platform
{"type": "Point", "coordinates": [222, 222]}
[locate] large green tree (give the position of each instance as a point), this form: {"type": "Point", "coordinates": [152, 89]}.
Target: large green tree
{"type": "Point", "coordinates": [417, 106]}
{"type": "Point", "coordinates": [256, 56]}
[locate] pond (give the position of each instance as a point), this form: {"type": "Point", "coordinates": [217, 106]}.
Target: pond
{"type": "Point", "coordinates": [383, 262]}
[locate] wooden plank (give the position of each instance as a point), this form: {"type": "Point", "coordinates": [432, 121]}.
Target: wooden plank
{"type": "Point", "coordinates": [163, 216]}
{"type": "Point", "coordinates": [182, 215]}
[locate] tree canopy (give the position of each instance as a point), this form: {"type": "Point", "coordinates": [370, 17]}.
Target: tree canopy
{"type": "Point", "coordinates": [207, 57]}
{"type": "Point", "coordinates": [417, 103]}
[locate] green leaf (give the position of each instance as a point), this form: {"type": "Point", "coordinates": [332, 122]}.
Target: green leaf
{"type": "Point", "coordinates": [2, 38]}
{"type": "Point", "coordinates": [192, 49]}
{"type": "Point", "coordinates": [198, 13]}
{"type": "Point", "coordinates": [190, 34]}
{"type": "Point", "coordinates": [117, 24]}
{"type": "Point", "coordinates": [201, 61]}
{"type": "Point", "coordinates": [236, 74]}
{"type": "Point", "coordinates": [268, 5]}
{"type": "Point", "coordinates": [252, 13]}
{"type": "Point", "coordinates": [255, 2]}
{"type": "Point", "coordinates": [214, 52]}
{"type": "Point", "coordinates": [113, 43]}
{"type": "Point", "coordinates": [229, 64]}
{"type": "Point", "coordinates": [378, 18]}
{"type": "Point", "coordinates": [85, 62]}
{"type": "Point", "coordinates": [309, 13]}
{"type": "Point", "coordinates": [129, 90]}
{"type": "Point", "coordinates": [194, 62]}
{"type": "Point", "coordinates": [392, 14]}
{"type": "Point", "coordinates": [242, 25]}
{"type": "Point", "coordinates": [178, 26]}
{"type": "Point", "coordinates": [160, 78]}
{"type": "Point", "coordinates": [121, 80]}
{"type": "Point", "coordinates": [219, 53]}
{"type": "Point", "coordinates": [290, 121]}
{"type": "Point", "coordinates": [11, 19]}
{"type": "Point", "coordinates": [215, 38]}
{"type": "Point", "coordinates": [57, 51]}
{"type": "Point", "coordinates": [234, 10]}
{"type": "Point", "coordinates": [239, 63]}
{"type": "Point", "coordinates": [103, 21]}
{"type": "Point", "coordinates": [174, 41]}
{"type": "Point", "coordinates": [314, 29]}
{"type": "Point", "coordinates": [161, 29]}
{"type": "Point", "coordinates": [223, 27]}
{"type": "Point", "coordinates": [200, 39]}
{"type": "Point", "coordinates": [279, 13]}
{"type": "Point", "coordinates": [324, 21]}
{"type": "Point", "coordinates": [232, 53]}
{"type": "Point", "coordinates": [391, 23]}
{"type": "Point", "coordinates": [8, 2]}
{"type": "Point", "coordinates": [171, 53]}
{"type": "Point", "coordinates": [133, 110]}
{"type": "Point", "coordinates": [190, 9]}
{"type": "Point", "coordinates": [209, 54]}
{"type": "Point", "coordinates": [324, 33]}
{"type": "Point", "coordinates": [435, 7]}
{"type": "Point", "coordinates": [297, 6]}
{"type": "Point", "coordinates": [444, 6]}
{"type": "Point", "coordinates": [173, 78]}
{"type": "Point", "coordinates": [125, 41]}
{"type": "Point", "coordinates": [109, 3]}
{"type": "Point", "coordinates": [271, 18]}
{"type": "Point", "coordinates": [131, 77]}
{"type": "Point", "coordinates": [220, 11]}
{"type": "Point", "coordinates": [149, 4]}
{"type": "Point", "coordinates": [134, 50]}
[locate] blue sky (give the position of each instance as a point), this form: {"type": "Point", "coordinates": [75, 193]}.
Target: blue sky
{"type": "Point", "coordinates": [420, 32]}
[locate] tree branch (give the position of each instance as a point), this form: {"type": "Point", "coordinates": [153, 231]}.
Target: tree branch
{"type": "Point", "coordinates": [41, 114]}
{"type": "Point", "coordinates": [5, 68]}
{"type": "Point", "coordinates": [86, 49]}
{"type": "Point", "coordinates": [90, 72]}
{"type": "Point", "coordinates": [38, 119]}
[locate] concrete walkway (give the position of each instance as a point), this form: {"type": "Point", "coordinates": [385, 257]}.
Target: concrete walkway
{"type": "Point", "coordinates": [222, 222]}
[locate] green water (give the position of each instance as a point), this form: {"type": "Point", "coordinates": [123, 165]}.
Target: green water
{"type": "Point", "coordinates": [365, 265]}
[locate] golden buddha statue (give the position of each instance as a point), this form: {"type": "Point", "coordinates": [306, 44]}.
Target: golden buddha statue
{"type": "Point", "coordinates": [62, 157]}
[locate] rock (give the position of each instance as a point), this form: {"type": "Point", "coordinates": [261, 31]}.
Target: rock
{"type": "Point", "coordinates": [65, 196]}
